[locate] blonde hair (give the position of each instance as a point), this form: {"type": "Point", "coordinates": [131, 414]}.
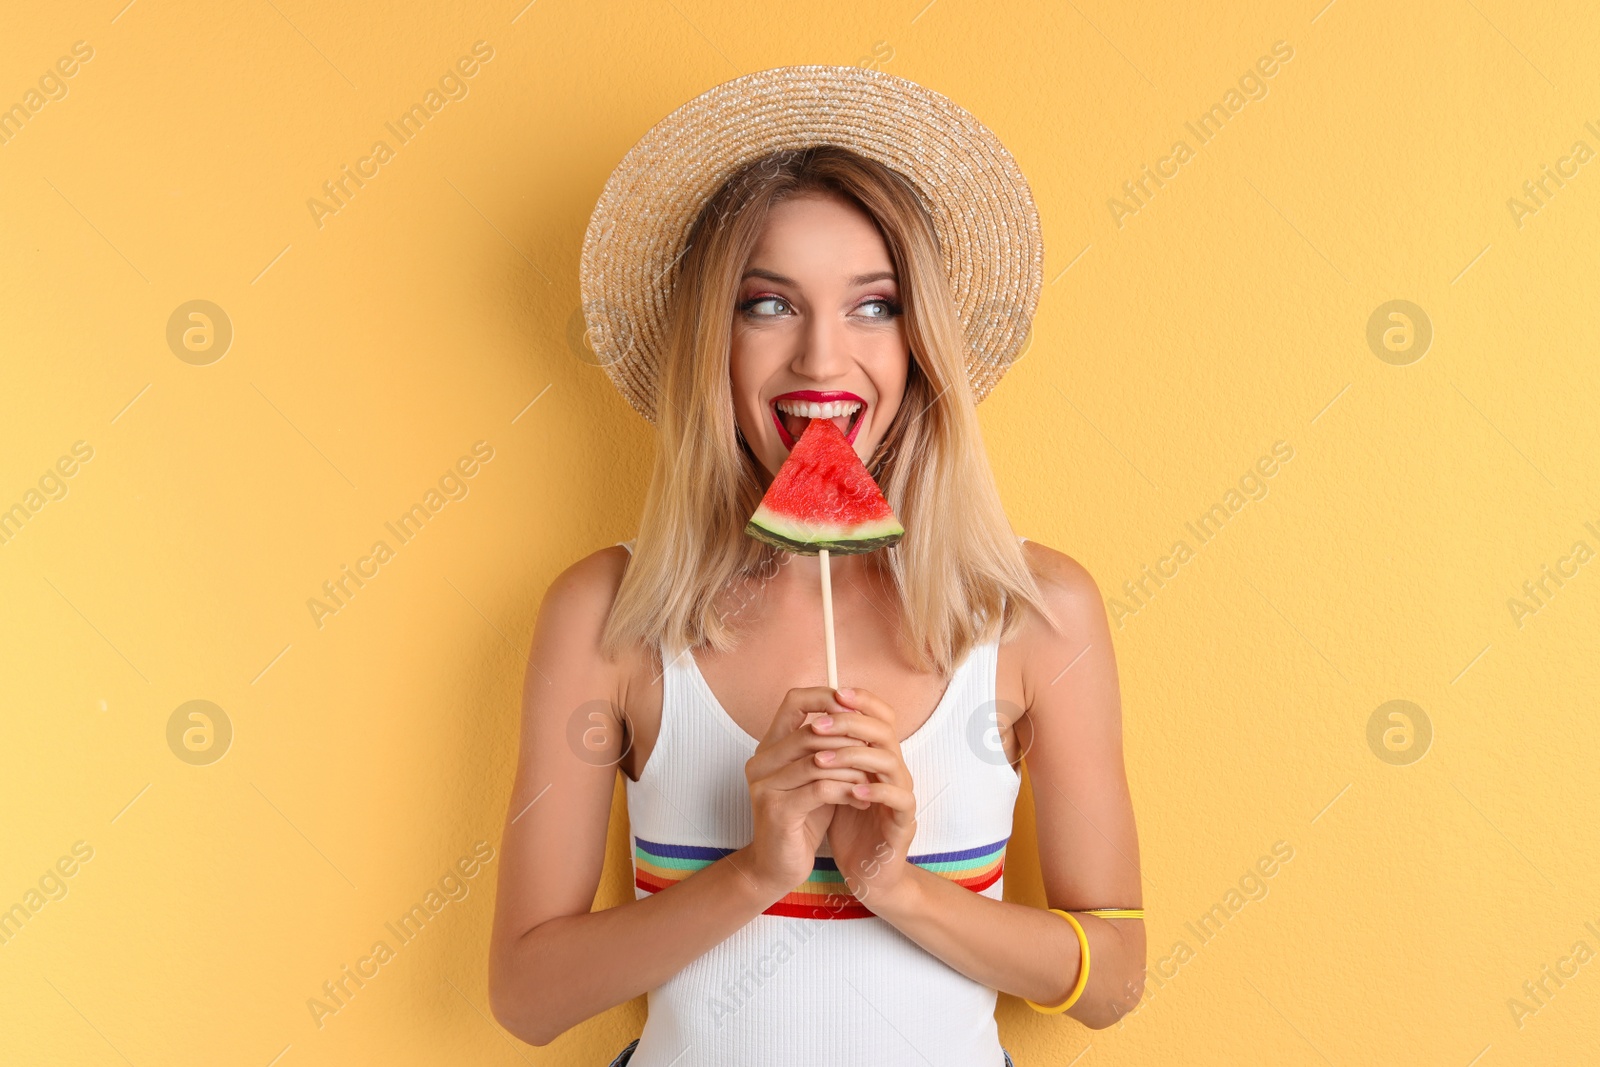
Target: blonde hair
{"type": "Point", "coordinates": [958, 562]}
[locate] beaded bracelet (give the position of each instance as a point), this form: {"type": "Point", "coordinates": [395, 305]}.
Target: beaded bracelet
{"type": "Point", "coordinates": [1083, 969]}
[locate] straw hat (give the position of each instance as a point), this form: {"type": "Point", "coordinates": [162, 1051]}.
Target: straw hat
{"type": "Point", "coordinates": [982, 209]}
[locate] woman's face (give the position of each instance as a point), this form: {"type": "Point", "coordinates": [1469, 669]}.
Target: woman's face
{"type": "Point", "coordinates": [817, 329]}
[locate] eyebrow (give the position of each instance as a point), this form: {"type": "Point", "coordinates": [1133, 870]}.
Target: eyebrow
{"type": "Point", "coordinates": [859, 279]}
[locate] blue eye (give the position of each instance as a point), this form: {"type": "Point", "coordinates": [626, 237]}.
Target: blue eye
{"type": "Point", "coordinates": [748, 307]}
{"type": "Point", "coordinates": [891, 309]}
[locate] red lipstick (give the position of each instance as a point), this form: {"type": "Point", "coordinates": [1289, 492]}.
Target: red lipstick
{"type": "Point", "coordinates": [821, 396]}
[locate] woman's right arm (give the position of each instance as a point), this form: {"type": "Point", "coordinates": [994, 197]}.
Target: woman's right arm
{"type": "Point", "coordinates": [554, 963]}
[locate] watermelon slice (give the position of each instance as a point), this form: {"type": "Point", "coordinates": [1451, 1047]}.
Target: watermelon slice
{"type": "Point", "coordinates": [823, 497]}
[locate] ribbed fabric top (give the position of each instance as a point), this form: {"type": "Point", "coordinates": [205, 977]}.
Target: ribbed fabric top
{"type": "Point", "coordinates": [817, 978]}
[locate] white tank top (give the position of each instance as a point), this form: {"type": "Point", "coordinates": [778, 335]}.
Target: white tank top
{"type": "Point", "coordinates": [816, 978]}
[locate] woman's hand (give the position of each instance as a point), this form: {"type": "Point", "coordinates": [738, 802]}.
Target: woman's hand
{"type": "Point", "coordinates": [871, 833]}
{"type": "Point", "coordinates": [793, 798]}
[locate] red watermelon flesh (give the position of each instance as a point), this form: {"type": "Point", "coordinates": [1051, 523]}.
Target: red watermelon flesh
{"type": "Point", "coordinates": [823, 497]}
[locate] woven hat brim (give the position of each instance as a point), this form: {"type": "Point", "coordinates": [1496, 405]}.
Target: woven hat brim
{"type": "Point", "coordinates": [982, 208]}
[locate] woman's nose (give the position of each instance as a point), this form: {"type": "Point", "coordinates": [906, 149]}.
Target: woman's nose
{"type": "Point", "coordinates": [824, 349]}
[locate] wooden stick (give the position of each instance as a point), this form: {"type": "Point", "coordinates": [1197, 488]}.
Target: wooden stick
{"type": "Point", "coordinates": [827, 619]}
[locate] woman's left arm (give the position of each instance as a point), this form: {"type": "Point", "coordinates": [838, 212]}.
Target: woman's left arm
{"type": "Point", "coordinates": [1088, 845]}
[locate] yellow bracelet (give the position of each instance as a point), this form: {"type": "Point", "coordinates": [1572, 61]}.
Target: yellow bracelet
{"type": "Point", "coordinates": [1083, 969]}
{"type": "Point", "coordinates": [1117, 913]}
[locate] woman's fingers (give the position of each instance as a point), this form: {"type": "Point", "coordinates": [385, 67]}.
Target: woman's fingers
{"type": "Point", "coordinates": [823, 792]}
{"type": "Point", "coordinates": [872, 722]}
{"type": "Point", "coordinates": [877, 760]}
{"type": "Point", "coordinates": [801, 772]}
{"type": "Point", "coordinates": [899, 801]}
{"type": "Point", "coordinates": [797, 703]}
{"type": "Point", "coordinates": [867, 729]}
{"type": "Point", "coordinates": [860, 725]}
{"type": "Point", "coordinates": [779, 745]}
{"type": "Point", "coordinates": [799, 802]}
{"type": "Point", "coordinates": [799, 745]}
{"type": "Point", "coordinates": [866, 702]}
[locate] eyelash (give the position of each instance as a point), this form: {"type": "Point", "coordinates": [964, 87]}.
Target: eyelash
{"type": "Point", "coordinates": [894, 308]}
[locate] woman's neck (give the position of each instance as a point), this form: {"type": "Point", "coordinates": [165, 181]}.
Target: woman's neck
{"type": "Point", "coordinates": [799, 578]}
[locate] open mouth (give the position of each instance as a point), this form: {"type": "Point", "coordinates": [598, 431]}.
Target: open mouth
{"type": "Point", "coordinates": [792, 413]}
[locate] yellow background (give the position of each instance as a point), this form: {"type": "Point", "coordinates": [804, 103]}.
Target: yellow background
{"type": "Point", "coordinates": [1169, 353]}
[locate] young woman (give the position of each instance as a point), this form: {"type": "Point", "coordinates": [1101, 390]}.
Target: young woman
{"type": "Point", "coordinates": [818, 872]}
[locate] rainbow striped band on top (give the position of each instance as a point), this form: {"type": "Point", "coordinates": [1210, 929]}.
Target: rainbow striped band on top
{"type": "Point", "coordinates": [824, 895]}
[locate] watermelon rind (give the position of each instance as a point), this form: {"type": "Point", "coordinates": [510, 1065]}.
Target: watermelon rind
{"type": "Point", "coordinates": [769, 527]}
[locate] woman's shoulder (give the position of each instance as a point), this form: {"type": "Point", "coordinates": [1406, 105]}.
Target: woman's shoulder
{"type": "Point", "coordinates": [1058, 574]}
{"type": "Point", "coordinates": [1069, 591]}
{"type": "Point", "coordinates": [1080, 639]}
{"type": "Point", "coordinates": [569, 634]}
{"type": "Point", "coordinates": [588, 586]}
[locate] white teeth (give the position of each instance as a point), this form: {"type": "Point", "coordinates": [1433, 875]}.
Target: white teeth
{"type": "Point", "coordinates": [813, 410]}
